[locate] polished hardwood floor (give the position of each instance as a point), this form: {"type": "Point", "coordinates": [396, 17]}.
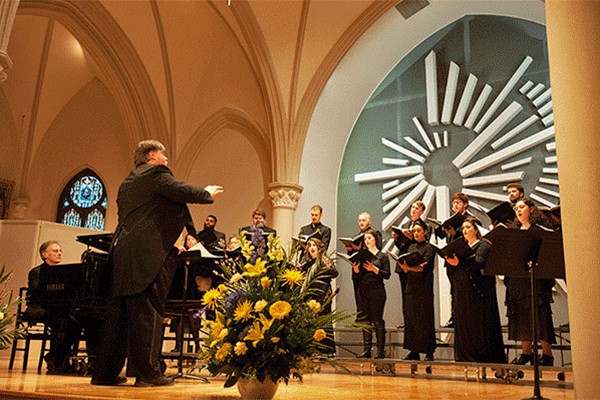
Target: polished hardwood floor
{"type": "Point", "coordinates": [446, 382]}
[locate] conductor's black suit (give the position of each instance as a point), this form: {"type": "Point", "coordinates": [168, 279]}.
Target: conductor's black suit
{"type": "Point", "coordinates": [152, 214]}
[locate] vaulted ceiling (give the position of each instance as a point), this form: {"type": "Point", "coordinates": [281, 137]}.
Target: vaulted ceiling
{"type": "Point", "coordinates": [180, 71]}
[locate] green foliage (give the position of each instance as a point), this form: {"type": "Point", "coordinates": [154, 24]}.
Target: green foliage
{"type": "Point", "coordinates": [7, 305]}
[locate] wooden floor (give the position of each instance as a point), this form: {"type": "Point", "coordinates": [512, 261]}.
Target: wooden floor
{"type": "Point", "coordinates": [444, 383]}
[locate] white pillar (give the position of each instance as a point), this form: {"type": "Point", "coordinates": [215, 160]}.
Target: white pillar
{"type": "Point", "coordinates": [573, 47]}
{"type": "Point", "coordinates": [284, 197]}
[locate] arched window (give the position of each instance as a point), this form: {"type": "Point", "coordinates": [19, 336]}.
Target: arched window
{"type": "Point", "coordinates": [83, 202]}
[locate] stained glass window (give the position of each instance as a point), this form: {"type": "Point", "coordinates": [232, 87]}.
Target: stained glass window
{"type": "Point", "coordinates": [83, 202]}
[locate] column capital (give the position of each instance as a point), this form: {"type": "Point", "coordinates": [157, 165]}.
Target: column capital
{"type": "Point", "coordinates": [285, 195]}
{"type": "Point", "coordinates": [19, 207]}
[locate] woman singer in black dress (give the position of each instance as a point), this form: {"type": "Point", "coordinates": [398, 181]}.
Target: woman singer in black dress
{"type": "Point", "coordinates": [325, 273]}
{"type": "Point", "coordinates": [518, 299]}
{"type": "Point", "coordinates": [371, 294]}
{"type": "Point", "coordinates": [419, 325]}
{"type": "Point", "coordinates": [477, 329]}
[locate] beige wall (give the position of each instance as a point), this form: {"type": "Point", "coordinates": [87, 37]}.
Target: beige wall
{"type": "Point", "coordinates": [230, 160]}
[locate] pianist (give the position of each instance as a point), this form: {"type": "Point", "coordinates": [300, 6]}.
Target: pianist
{"type": "Point", "coordinates": [64, 330]}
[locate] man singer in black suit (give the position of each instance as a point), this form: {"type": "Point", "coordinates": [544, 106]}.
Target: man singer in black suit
{"type": "Point", "coordinates": [152, 214]}
{"type": "Point", "coordinates": [316, 226]}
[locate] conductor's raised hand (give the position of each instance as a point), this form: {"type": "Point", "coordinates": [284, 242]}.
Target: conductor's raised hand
{"type": "Point", "coordinates": [214, 190]}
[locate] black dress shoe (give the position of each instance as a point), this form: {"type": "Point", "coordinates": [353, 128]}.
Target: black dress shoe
{"type": "Point", "coordinates": [546, 360]}
{"type": "Point", "coordinates": [119, 380]}
{"type": "Point", "coordinates": [428, 357]}
{"type": "Point", "coordinates": [380, 355]}
{"type": "Point", "coordinates": [366, 354]}
{"type": "Point", "coordinates": [160, 381]}
{"type": "Point", "coordinates": [523, 359]}
{"type": "Point", "coordinates": [412, 356]}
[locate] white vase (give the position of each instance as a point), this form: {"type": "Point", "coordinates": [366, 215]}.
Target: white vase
{"type": "Point", "coordinates": [253, 389]}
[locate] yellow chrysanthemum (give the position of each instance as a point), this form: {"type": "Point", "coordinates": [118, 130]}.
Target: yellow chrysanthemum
{"type": "Point", "coordinates": [223, 352]}
{"type": "Point", "coordinates": [240, 349]}
{"type": "Point", "coordinates": [260, 305]}
{"type": "Point", "coordinates": [280, 309]}
{"type": "Point", "coordinates": [235, 277]}
{"type": "Point", "coordinates": [265, 282]}
{"type": "Point", "coordinates": [319, 335]}
{"type": "Point", "coordinates": [292, 277]}
{"type": "Point", "coordinates": [209, 300]}
{"type": "Point", "coordinates": [256, 333]}
{"type": "Point", "coordinates": [314, 305]}
{"type": "Point", "coordinates": [242, 311]}
{"type": "Point", "coordinates": [255, 270]}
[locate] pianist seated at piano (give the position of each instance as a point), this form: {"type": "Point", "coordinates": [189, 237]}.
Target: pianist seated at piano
{"type": "Point", "coordinates": [64, 330]}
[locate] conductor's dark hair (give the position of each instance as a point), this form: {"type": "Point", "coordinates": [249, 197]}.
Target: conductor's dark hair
{"type": "Point", "coordinates": [142, 153]}
{"type": "Point", "coordinates": [213, 217]}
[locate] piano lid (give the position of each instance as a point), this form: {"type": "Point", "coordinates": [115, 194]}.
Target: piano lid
{"type": "Point", "coordinates": [100, 241]}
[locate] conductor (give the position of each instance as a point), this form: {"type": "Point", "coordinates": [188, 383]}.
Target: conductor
{"type": "Point", "coordinates": [152, 214]}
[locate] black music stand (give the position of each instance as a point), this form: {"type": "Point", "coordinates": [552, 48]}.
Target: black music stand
{"type": "Point", "coordinates": [527, 254]}
{"type": "Point", "coordinates": [187, 257]}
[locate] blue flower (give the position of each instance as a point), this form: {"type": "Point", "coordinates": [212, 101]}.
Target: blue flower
{"type": "Point", "coordinates": [198, 314]}
{"type": "Point", "coordinates": [232, 300]}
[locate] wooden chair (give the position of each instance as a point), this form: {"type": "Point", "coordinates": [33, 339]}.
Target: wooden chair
{"type": "Point", "coordinates": [34, 330]}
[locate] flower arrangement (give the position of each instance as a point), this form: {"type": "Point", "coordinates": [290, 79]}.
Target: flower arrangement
{"type": "Point", "coordinates": [7, 333]}
{"type": "Point", "coordinates": [268, 322]}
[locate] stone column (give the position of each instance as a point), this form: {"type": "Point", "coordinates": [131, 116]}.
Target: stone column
{"type": "Point", "coordinates": [18, 208]}
{"type": "Point", "coordinates": [284, 197]}
{"type": "Point", "coordinates": [574, 44]}
{"type": "Point", "coordinates": [8, 10]}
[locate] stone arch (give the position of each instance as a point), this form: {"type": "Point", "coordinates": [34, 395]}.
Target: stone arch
{"type": "Point", "coordinates": [222, 119]}
{"type": "Point", "coordinates": [110, 48]}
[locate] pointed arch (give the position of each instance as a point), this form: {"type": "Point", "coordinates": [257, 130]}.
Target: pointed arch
{"type": "Point", "coordinates": [91, 24]}
{"type": "Point", "coordinates": [226, 118]}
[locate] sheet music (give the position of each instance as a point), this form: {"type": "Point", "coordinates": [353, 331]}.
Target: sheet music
{"type": "Point", "coordinates": [203, 252]}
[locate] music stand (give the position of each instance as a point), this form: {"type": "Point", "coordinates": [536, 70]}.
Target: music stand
{"type": "Point", "coordinates": [526, 253]}
{"type": "Point", "coordinates": [188, 257]}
